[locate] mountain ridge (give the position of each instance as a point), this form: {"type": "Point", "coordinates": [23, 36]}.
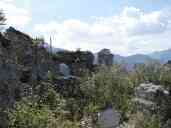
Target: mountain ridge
{"type": "Point", "coordinates": [164, 56]}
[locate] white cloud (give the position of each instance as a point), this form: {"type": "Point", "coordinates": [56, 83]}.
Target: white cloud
{"type": "Point", "coordinates": [51, 28]}
{"type": "Point", "coordinates": [131, 12]}
{"type": "Point", "coordinates": [17, 17]}
{"type": "Point", "coordinates": [7, 0]}
{"type": "Point", "coordinates": [131, 31]}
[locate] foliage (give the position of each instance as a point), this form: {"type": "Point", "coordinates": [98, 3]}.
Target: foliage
{"type": "Point", "coordinates": [32, 115]}
{"type": "Point", "coordinates": [165, 111]}
{"type": "Point", "coordinates": [40, 39]}
{"type": "Point", "coordinates": [51, 76]}
{"type": "Point", "coordinates": [154, 73]}
{"type": "Point", "coordinates": [165, 77]}
{"type": "Point", "coordinates": [108, 87]}
{"type": "Point", "coordinates": [139, 120]}
{"type": "Point", "coordinates": [41, 111]}
{"type": "Point", "coordinates": [145, 73]}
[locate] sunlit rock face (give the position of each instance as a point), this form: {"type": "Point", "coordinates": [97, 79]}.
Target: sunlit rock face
{"type": "Point", "coordinates": [109, 118]}
{"type": "Point", "coordinates": [148, 95]}
{"type": "Point", "coordinates": [105, 57]}
{"type": "Point", "coordinates": [149, 91]}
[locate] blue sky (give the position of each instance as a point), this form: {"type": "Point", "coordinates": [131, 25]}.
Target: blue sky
{"type": "Point", "coordinates": [124, 26]}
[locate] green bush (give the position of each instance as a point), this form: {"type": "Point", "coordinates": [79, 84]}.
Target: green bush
{"type": "Point", "coordinates": [41, 111]}
{"type": "Point", "coordinates": [139, 120]}
{"type": "Point", "coordinates": [32, 115]}
{"type": "Point", "coordinates": [165, 76]}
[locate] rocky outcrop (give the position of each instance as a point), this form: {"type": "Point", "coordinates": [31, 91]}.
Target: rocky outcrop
{"type": "Point", "coordinates": [151, 99]}
{"type": "Point", "coordinates": [22, 64]}
{"type": "Point", "coordinates": [147, 97]}
{"type": "Point", "coordinates": [105, 57]}
{"type": "Point", "coordinates": [32, 60]}
{"type": "Point", "coordinates": [154, 99]}
{"type": "Point", "coordinates": [79, 62]}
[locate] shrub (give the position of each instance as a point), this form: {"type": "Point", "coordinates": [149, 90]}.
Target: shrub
{"type": "Point", "coordinates": [139, 120]}
{"type": "Point", "coordinates": [32, 115]}
{"type": "Point", "coordinates": [41, 111]}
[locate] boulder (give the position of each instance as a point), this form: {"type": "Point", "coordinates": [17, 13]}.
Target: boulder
{"type": "Point", "coordinates": [149, 91]}
{"type": "Point", "coordinates": [148, 95]}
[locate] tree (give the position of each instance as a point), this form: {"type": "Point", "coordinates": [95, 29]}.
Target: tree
{"type": "Point", "coordinates": [2, 18]}
{"type": "Point", "coordinates": [108, 87]}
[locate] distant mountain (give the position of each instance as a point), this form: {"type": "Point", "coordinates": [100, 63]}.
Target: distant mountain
{"type": "Point", "coordinates": [162, 56]}
{"type": "Point", "coordinates": [130, 61]}
{"type": "Point", "coordinates": [159, 56]}
{"type": "Point", "coordinates": [138, 59]}
{"type": "Point", "coordinates": [119, 59]}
